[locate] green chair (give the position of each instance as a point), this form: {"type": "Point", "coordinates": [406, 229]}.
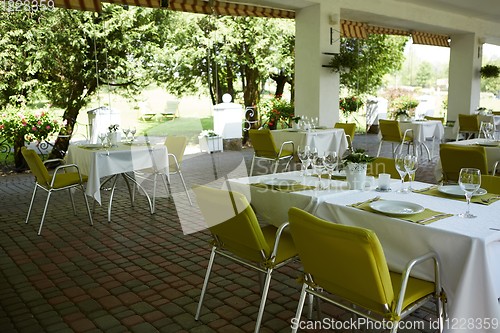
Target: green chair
{"type": "Point", "coordinates": [441, 119]}
{"type": "Point", "coordinates": [392, 133]}
{"type": "Point", "coordinates": [382, 165]}
{"type": "Point", "coordinates": [357, 273]}
{"type": "Point", "coordinates": [454, 157]}
{"type": "Point", "coordinates": [491, 183]}
{"type": "Point", "coordinates": [55, 182]}
{"type": "Point", "coordinates": [349, 130]}
{"type": "Point", "coordinates": [468, 124]}
{"type": "Point", "coordinates": [265, 148]}
{"type": "Point", "coordinates": [237, 235]}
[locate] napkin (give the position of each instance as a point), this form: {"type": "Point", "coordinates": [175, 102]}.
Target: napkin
{"type": "Point", "coordinates": [415, 218]}
{"type": "Point", "coordinates": [433, 190]}
{"type": "Point", "coordinates": [285, 188]}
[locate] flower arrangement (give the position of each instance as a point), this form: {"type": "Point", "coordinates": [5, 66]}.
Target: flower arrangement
{"type": "Point", "coordinates": [20, 124]}
{"type": "Point", "coordinates": [403, 105]}
{"type": "Point", "coordinates": [358, 157]}
{"type": "Point", "coordinates": [113, 128]}
{"type": "Point", "coordinates": [276, 109]}
{"type": "Point", "coordinates": [207, 134]}
{"type": "Point", "coordinates": [350, 104]}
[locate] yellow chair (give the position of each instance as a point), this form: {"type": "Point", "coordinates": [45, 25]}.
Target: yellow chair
{"type": "Point", "coordinates": [453, 158]}
{"type": "Point", "coordinates": [237, 235]}
{"type": "Point", "coordinates": [349, 130]}
{"type": "Point", "coordinates": [490, 184]}
{"type": "Point", "coordinates": [382, 165]}
{"type": "Point", "coordinates": [441, 119]}
{"type": "Point", "coordinates": [54, 182]}
{"type": "Point", "coordinates": [358, 272]}
{"type": "Point", "coordinates": [468, 124]}
{"type": "Point", "coordinates": [265, 148]}
{"type": "Point", "coordinates": [496, 113]}
{"type": "Point", "coordinates": [176, 145]}
{"type": "Point", "coordinates": [392, 133]}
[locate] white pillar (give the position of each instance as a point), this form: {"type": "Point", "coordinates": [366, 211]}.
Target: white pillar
{"type": "Point", "coordinates": [465, 80]}
{"type": "Point", "coordinates": [316, 87]}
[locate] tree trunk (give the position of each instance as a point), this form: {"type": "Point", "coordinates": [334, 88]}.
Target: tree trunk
{"type": "Point", "coordinates": [229, 79]}
{"type": "Point", "coordinates": [62, 143]}
{"type": "Point", "coordinates": [251, 95]}
{"type": "Point", "coordinates": [280, 80]}
{"type": "Point", "coordinates": [20, 163]}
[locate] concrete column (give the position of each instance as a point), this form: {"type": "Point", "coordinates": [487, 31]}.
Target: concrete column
{"type": "Point", "coordinates": [316, 87]}
{"type": "Point", "coordinates": [465, 80]}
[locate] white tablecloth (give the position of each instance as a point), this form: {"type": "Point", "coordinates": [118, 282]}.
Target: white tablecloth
{"type": "Point", "coordinates": [422, 129]}
{"type": "Point", "coordinates": [125, 158]}
{"type": "Point", "coordinates": [492, 155]}
{"type": "Point", "coordinates": [468, 249]}
{"type": "Point", "coordinates": [325, 140]}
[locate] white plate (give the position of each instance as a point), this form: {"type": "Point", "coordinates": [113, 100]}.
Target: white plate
{"type": "Point", "coordinates": [394, 207]}
{"type": "Point", "coordinates": [488, 143]}
{"type": "Point", "coordinates": [457, 191]}
{"type": "Point", "coordinates": [280, 182]}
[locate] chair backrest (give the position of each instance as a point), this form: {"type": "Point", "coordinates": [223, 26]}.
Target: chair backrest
{"type": "Point", "coordinates": [230, 217]}
{"type": "Point", "coordinates": [454, 157]}
{"type": "Point", "coordinates": [390, 130]}
{"type": "Point", "coordinates": [383, 165]}
{"type": "Point", "coordinates": [349, 128]}
{"type": "Point", "coordinates": [491, 183]}
{"type": "Point", "coordinates": [36, 165]}
{"type": "Point", "coordinates": [346, 261]}
{"type": "Point", "coordinates": [176, 145]}
{"type": "Point", "coordinates": [263, 143]}
{"type": "Point", "coordinates": [496, 113]}
{"type": "Point", "coordinates": [468, 122]}
{"type": "Point", "coordinates": [171, 107]}
{"type": "Point", "coordinates": [441, 119]}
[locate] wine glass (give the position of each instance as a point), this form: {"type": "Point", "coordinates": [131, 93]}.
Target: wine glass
{"type": "Point", "coordinates": [400, 166]}
{"type": "Point", "coordinates": [126, 131]}
{"type": "Point", "coordinates": [411, 165]}
{"type": "Point", "coordinates": [133, 133]}
{"type": "Point", "coordinates": [303, 155]}
{"type": "Point", "coordinates": [319, 165]}
{"type": "Point", "coordinates": [316, 122]}
{"type": "Point", "coordinates": [102, 137]}
{"type": "Point", "coordinates": [330, 164]}
{"type": "Point", "coordinates": [469, 181]}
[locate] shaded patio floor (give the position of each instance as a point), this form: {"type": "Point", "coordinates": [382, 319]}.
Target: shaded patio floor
{"type": "Point", "coordinates": [140, 272]}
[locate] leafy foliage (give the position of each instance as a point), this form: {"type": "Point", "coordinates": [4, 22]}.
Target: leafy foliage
{"type": "Point", "coordinates": [350, 104]}
{"type": "Point", "coordinates": [277, 109]}
{"type": "Point", "coordinates": [368, 60]}
{"type": "Point", "coordinates": [490, 71]}
{"type": "Point", "coordinates": [491, 84]}
{"type": "Point", "coordinates": [359, 157]}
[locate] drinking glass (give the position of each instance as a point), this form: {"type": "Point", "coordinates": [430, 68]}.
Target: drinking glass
{"type": "Point", "coordinates": [330, 164]}
{"type": "Point", "coordinates": [102, 137]}
{"type": "Point", "coordinates": [411, 165]}
{"type": "Point", "coordinates": [487, 130]}
{"type": "Point", "coordinates": [133, 133]}
{"type": "Point", "coordinates": [469, 181]}
{"type": "Point", "coordinates": [319, 165]}
{"type": "Point", "coordinates": [400, 166]}
{"type": "Point", "coordinates": [126, 131]}
{"type": "Point", "coordinates": [311, 155]}
{"type": "Point", "coordinates": [303, 155]}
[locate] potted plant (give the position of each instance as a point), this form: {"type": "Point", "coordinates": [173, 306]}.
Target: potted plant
{"type": "Point", "coordinates": [403, 106]}
{"type": "Point", "coordinates": [401, 115]}
{"type": "Point", "coordinates": [350, 105]}
{"type": "Point", "coordinates": [490, 71]}
{"type": "Point", "coordinates": [276, 110]}
{"type": "Point", "coordinates": [210, 141]}
{"type": "Point", "coordinates": [355, 166]}
{"type": "Point", "coordinates": [113, 135]}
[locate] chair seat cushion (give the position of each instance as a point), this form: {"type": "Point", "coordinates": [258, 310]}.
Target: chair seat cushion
{"type": "Point", "coordinates": [67, 179]}
{"type": "Point", "coordinates": [416, 288]}
{"type": "Point", "coordinates": [286, 247]}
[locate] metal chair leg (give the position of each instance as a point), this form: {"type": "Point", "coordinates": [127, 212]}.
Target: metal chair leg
{"type": "Point", "coordinates": [379, 147]}
{"type": "Point", "coordinates": [251, 168]}
{"type": "Point", "coordinates": [276, 163]}
{"type": "Point", "coordinates": [300, 306]}
{"type": "Point", "coordinates": [31, 204]}
{"type": "Point", "coordinates": [165, 183]}
{"type": "Point", "coordinates": [72, 201]}
{"type": "Point", "coordinates": [87, 204]}
{"type": "Point", "coordinates": [263, 300]}
{"type": "Point", "coordinates": [154, 194]}
{"type": "Point", "coordinates": [185, 188]}
{"type": "Point", "coordinates": [205, 283]}
{"type": "Point", "coordinates": [310, 306]}
{"type": "Point", "coordinates": [44, 211]}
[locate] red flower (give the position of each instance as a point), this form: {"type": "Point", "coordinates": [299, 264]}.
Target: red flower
{"type": "Point", "coordinates": [270, 123]}
{"type": "Point", "coordinates": [291, 115]}
{"type": "Point", "coordinates": [278, 112]}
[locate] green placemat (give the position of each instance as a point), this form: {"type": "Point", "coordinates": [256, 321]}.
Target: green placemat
{"type": "Point", "coordinates": [325, 176]}
{"type": "Point", "coordinates": [420, 218]}
{"type": "Point", "coordinates": [285, 188]}
{"type": "Point", "coordinates": [433, 190]}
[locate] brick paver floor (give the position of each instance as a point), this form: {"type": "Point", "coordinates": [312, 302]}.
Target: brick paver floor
{"type": "Point", "coordinates": [140, 272]}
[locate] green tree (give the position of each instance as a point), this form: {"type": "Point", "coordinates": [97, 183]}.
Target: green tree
{"type": "Point", "coordinates": [368, 61]}
{"type": "Point", "coordinates": [70, 54]}
{"type": "Point", "coordinates": [424, 74]}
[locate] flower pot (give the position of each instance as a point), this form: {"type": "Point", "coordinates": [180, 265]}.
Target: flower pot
{"type": "Point", "coordinates": [356, 175]}
{"type": "Point", "coordinates": [113, 138]}
{"type": "Point", "coordinates": [402, 117]}
{"type": "Point", "coordinates": [210, 144]}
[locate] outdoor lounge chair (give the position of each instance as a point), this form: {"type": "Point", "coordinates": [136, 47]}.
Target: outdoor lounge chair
{"type": "Point", "coordinates": [171, 110]}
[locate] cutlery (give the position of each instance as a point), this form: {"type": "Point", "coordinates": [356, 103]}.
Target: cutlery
{"type": "Point", "coordinates": [495, 229]}
{"type": "Point", "coordinates": [492, 198]}
{"type": "Point", "coordinates": [367, 201]}
{"type": "Point", "coordinates": [426, 189]}
{"type": "Point", "coordinates": [432, 217]}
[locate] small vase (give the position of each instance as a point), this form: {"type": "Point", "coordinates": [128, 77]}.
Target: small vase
{"type": "Point", "coordinates": [113, 138]}
{"type": "Point", "coordinates": [356, 175]}
{"type": "Point", "coordinates": [402, 117]}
